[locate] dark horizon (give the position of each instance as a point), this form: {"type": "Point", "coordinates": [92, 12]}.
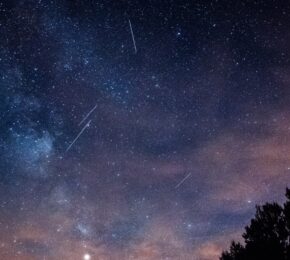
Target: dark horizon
{"type": "Point", "coordinates": [140, 129]}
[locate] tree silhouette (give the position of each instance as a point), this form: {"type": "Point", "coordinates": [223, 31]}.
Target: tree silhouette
{"type": "Point", "coordinates": [267, 237]}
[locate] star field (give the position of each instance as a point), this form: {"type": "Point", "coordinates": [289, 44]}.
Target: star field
{"type": "Point", "coordinates": [139, 129]}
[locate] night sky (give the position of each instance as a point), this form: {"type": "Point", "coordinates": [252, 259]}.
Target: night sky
{"type": "Point", "coordinates": [139, 129]}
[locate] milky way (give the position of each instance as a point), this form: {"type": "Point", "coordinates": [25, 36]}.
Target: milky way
{"type": "Point", "coordinates": [139, 129]}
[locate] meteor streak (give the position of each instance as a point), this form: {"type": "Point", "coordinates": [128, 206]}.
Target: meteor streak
{"type": "Point", "coordinates": [80, 133]}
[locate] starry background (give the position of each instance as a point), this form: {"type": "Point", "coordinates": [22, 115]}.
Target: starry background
{"type": "Point", "coordinates": [174, 144]}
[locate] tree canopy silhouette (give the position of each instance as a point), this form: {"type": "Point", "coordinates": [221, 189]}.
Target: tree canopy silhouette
{"type": "Point", "coordinates": [267, 237]}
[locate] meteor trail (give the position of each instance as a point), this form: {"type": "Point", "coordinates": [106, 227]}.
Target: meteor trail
{"type": "Point", "coordinates": [88, 114]}
{"type": "Point", "coordinates": [80, 133]}
{"type": "Point", "coordinates": [133, 38]}
{"type": "Point", "coordinates": [182, 181]}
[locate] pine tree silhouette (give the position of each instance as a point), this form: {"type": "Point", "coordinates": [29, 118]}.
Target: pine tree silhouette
{"type": "Point", "coordinates": [267, 237]}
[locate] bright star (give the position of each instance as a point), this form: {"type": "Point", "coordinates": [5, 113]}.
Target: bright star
{"type": "Point", "coordinates": [87, 257]}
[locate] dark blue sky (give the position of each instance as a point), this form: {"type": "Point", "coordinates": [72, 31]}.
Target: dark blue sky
{"type": "Point", "coordinates": [112, 153]}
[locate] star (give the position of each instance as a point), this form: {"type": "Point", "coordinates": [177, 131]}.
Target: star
{"type": "Point", "coordinates": [86, 257]}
